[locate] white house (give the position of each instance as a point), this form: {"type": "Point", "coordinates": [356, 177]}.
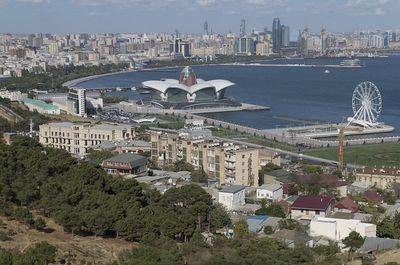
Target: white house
{"type": "Point", "coordinates": [338, 229]}
{"type": "Point", "coordinates": [273, 192]}
{"type": "Point", "coordinates": [232, 196]}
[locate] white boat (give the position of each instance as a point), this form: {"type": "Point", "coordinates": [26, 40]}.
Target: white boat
{"type": "Point", "coordinates": [133, 88]}
{"type": "Point", "coordinates": [327, 71]}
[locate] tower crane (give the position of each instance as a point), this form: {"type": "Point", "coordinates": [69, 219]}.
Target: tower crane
{"type": "Point", "coordinates": [342, 128]}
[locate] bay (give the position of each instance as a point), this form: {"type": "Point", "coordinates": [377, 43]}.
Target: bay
{"type": "Point", "coordinates": [296, 95]}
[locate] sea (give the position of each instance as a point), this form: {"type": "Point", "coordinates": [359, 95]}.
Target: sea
{"type": "Point", "coordinates": [297, 95]}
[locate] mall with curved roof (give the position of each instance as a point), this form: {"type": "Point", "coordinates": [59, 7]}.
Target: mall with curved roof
{"type": "Point", "coordinates": [189, 92]}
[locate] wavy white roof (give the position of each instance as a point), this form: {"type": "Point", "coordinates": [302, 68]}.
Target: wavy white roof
{"type": "Point", "coordinates": [162, 86]}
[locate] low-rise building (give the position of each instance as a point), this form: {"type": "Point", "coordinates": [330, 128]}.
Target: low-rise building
{"type": "Point", "coordinates": [380, 178]}
{"type": "Point", "coordinates": [232, 197]}
{"type": "Point", "coordinates": [40, 106]}
{"type": "Point", "coordinates": [338, 229]}
{"type": "Point", "coordinates": [308, 206]}
{"type": "Point", "coordinates": [12, 95]}
{"type": "Point", "coordinates": [272, 192]}
{"type": "Point", "coordinates": [125, 164]}
{"type": "Point", "coordinates": [79, 138]}
{"type": "Point", "coordinates": [346, 205]}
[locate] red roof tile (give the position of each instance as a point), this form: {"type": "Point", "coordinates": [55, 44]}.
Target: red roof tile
{"type": "Point", "coordinates": [312, 202]}
{"type": "Point", "coordinates": [347, 204]}
{"type": "Point", "coordinates": [373, 196]}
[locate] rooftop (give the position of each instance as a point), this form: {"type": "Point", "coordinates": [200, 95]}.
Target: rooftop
{"type": "Point", "coordinates": [39, 103]}
{"type": "Point", "coordinates": [271, 187]}
{"type": "Point", "coordinates": [312, 202]}
{"type": "Point", "coordinates": [348, 204]}
{"type": "Point", "coordinates": [232, 189]}
{"type": "Point", "coordinates": [133, 160]}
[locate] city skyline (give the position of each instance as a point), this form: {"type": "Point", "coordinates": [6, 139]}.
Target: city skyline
{"type": "Point", "coordinates": [73, 16]}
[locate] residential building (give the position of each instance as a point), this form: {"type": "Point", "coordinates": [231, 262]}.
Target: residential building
{"type": "Point", "coordinates": [232, 197]}
{"type": "Point", "coordinates": [40, 106]}
{"type": "Point", "coordinates": [255, 223]}
{"type": "Point", "coordinates": [308, 206]}
{"type": "Point", "coordinates": [346, 205]}
{"type": "Point", "coordinates": [78, 138]}
{"type": "Point", "coordinates": [125, 164]}
{"type": "Point", "coordinates": [338, 229]}
{"type": "Point", "coordinates": [373, 196]}
{"type": "Point", "coordinates": [381, 178]}
{"type": "Point", "coordinates": [272, 192]}
{"type": "Point", "coordinates": [224, 161]}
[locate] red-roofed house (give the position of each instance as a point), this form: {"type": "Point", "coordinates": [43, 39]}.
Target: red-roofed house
{"type": "Point", "coordinates": [308, 206]}
{"type": "Point", "coordinates": [346, 205]}
{"type": "Point", "coordinates": [373, 196]}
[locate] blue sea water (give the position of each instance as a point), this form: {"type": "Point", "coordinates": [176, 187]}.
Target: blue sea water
{"type": "Point", "coordinates": [296, 93]}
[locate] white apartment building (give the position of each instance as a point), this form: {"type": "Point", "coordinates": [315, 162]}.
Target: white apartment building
{"type": "Point", "coordinates": [78, 138]}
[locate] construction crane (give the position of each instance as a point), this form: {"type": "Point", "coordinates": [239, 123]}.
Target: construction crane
{"type": "Point", "coordinates": [342, 128]}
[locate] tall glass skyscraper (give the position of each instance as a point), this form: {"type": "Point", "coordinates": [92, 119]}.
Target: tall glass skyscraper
{"type": "Point", "coordinates": [276, 35]}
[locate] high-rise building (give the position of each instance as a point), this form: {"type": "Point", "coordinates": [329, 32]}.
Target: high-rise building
{"type": "Point", "coordinates": [77, 101]}
{"type": "Point", "coordinates": [386, 39]}
{"type": "Point", "coordinates": [54, 48]}
{"type": "Point", "coordinates": [206, 32]}
{"type": "Point", "coordinates": [276, 35]}
{"type": "Point", "coordinates": [245, 46]}
{"type": "Point", "coordinates": [324, 41]}
{"type": "Point", "coordinates": [243, 28]}
{"type": "Point", "coordinates": [285, 31]}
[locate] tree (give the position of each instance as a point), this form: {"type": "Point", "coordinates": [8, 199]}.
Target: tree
{"type": "Point", "coordinates": [219, 218]}
{"type": "Point", "coordinates": [199, 176]}
{"type": "Point", "coordinates": [274, 210]}
{"type": "Point", "coordinates": [240, 229]}
{"type": "Point", "coordinates": [353, 241]}
{"type": "Point", "coordinates": [268, 230]}
{"type": "Point", "coordinates": [291, 224]}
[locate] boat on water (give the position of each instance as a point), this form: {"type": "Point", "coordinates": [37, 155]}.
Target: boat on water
{"type": "Point", "coordinates": [327, 71]}
{"type": "Point", "coordinates": [351, 63]}
{"type": "Point", "coordinates": [133, 88]}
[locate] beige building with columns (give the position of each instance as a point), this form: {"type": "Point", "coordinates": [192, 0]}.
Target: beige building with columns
{"type": "Point", "coordinates": [78, 138]}
{"type": "Point", "coordinates": [381, 178]}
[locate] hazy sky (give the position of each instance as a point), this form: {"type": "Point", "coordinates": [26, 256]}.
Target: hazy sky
{"type": "Point", "coordinates": [64, 16]}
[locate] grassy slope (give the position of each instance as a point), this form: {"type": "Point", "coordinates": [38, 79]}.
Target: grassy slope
{"type": "Point", "coordinates": [387, 154]}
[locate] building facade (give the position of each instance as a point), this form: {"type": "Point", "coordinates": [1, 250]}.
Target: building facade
{"type": "Point", "coordinates": [232, 197]}
{"type": "Point", "coordinates": [381, 178]}
{"type": "Point", "coordinates": [338, 229]}
{"type": "Point", "coordinates": [78, 138]}
{"type": "Point", "coordinates": [223, 161]}
{"type": "Point", "coordinates": [125, 164]}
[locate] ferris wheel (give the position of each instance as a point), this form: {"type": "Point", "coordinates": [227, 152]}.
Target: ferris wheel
{"type": "Point", "coordinates": [367, 104]}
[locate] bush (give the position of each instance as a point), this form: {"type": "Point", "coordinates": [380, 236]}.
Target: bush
{"type": "Point", "coordinates": [4, 236]}
{"type": "Point", "coordinates": [268, 230]}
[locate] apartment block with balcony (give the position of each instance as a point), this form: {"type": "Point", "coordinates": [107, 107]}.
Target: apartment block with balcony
{"type": "Point", "coordinates": [78, 138]}
{"type": "Point", "coordinates": [224, 161]}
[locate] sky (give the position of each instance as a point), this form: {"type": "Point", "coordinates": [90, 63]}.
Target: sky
{"type": "Point", "coordinates": [188, 16]}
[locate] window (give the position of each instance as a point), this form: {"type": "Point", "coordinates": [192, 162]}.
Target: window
{"type": "Point", "coordinates": [317, 212]}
